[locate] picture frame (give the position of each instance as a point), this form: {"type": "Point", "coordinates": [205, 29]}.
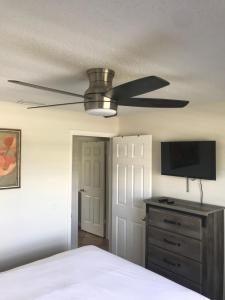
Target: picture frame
{"type": "Point", "coordinates": [10, 158]}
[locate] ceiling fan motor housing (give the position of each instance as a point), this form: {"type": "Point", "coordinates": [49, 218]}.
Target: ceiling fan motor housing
{"type": "Point", "coordinates": [100, 82]}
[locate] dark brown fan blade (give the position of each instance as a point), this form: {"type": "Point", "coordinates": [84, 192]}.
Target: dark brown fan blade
{"type": "Point", "coordinates": [111, 116]}
{"type": "Point", "coordinates": [153, 102]}
{"type": "Point", "coordinates": [50, 105]}
{"type": "Point", "coordinates": [44, 88]}
{"type": "Point", "coordinates": [60, 104]}
{"type": "Point", "coordinates": [137, 87]}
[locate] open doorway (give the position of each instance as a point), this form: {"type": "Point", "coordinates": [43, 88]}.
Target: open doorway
{"type": "Point", "coordinates": [91, 188]}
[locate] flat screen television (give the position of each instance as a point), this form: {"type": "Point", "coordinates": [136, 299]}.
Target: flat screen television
{"type": "Point", "coordinates": [194, 159]}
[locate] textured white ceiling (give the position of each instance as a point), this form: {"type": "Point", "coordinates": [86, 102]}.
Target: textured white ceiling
{"type": "Point", "coordinates": [53, 42]}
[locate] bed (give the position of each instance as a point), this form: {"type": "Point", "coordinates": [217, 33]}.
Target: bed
{"type": "Point", "coordinates": [88, 273]}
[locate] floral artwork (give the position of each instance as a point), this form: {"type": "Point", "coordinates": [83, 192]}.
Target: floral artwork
{"type": "Point", "coordinates": [9, 158]}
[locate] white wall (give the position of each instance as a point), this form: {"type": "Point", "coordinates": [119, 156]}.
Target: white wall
{"type": "Point", "coordinates": [34, 219]}
{"type": "Point", "coordinates": [191, 123]}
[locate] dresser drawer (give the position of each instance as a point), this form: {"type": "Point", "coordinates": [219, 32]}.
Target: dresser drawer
{"type": "Point", "coordinates": [176, 243]}
{"type": "Point", "coordinates": [176, 222]}
{"type": "Point", "coordinates": [175, 263]}
{"type": "Point", "coordinates": [177, 278]}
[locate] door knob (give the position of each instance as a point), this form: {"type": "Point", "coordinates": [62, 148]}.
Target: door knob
{"type": "Point", "coordinates": [81, 190]}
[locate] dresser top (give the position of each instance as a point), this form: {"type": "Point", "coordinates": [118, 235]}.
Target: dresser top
{"type": "Point", "coordinates": [185, 206]}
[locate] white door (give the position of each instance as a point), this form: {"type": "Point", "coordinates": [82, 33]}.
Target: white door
{"type": "Point", "coordinates": [132, 176]}
{"type": "Point", "coordinates": [93, 187]}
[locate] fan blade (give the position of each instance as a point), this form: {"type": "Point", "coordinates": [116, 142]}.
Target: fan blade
{"type": "Point", "coordinates": [44, 88]}
{"type": "Point", "coordinates": [111, 116]}
{"type": "Point", "coordinates": [61, 104]}
{"type": "Point", "coordinates": [137, 87]}
{"type": "Point", "coordinates": [153, 102]}
{"type": "Point", "coordinates": [50, 105]}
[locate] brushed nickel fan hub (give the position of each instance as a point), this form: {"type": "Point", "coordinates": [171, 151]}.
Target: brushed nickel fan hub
{"type": "Point", "coordinates": [100, 82]}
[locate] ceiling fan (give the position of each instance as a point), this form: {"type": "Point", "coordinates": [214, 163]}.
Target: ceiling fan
{"type": "Point", "coordinates": [102, 99]}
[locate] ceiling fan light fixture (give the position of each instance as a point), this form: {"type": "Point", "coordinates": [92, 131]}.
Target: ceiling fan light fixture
{"type": "Point", "coordinates": [104, 112]}
{"type": "Point", "coordinates": [99, 105]}
{"type": "Point", "coordinates": [102, 99]}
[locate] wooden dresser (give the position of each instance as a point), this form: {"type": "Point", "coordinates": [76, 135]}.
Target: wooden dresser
{"type": "Point", "coordinates": [185, 243]}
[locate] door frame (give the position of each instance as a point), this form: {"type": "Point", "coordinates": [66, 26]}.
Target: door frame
{"type": "Point", "coordinates": [72, 240]}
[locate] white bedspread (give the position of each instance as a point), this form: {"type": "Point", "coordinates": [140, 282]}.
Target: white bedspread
{"type": "Point", "coordinates": [88, 273]}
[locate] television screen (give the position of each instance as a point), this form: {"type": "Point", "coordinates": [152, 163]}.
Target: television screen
{"type": "Point", "coordinates": [195, 159]}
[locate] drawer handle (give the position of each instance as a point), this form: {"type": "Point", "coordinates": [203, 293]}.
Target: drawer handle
{"type": "Point", "coordinates": [171, 242]}
{"type": "Point", "coordinates": [172, 222]}
{"type": "Point", "coordinates": [171, 263]}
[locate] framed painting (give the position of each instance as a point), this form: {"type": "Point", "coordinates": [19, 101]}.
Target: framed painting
{"type": "Point", "coordinates": [10, 158]}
